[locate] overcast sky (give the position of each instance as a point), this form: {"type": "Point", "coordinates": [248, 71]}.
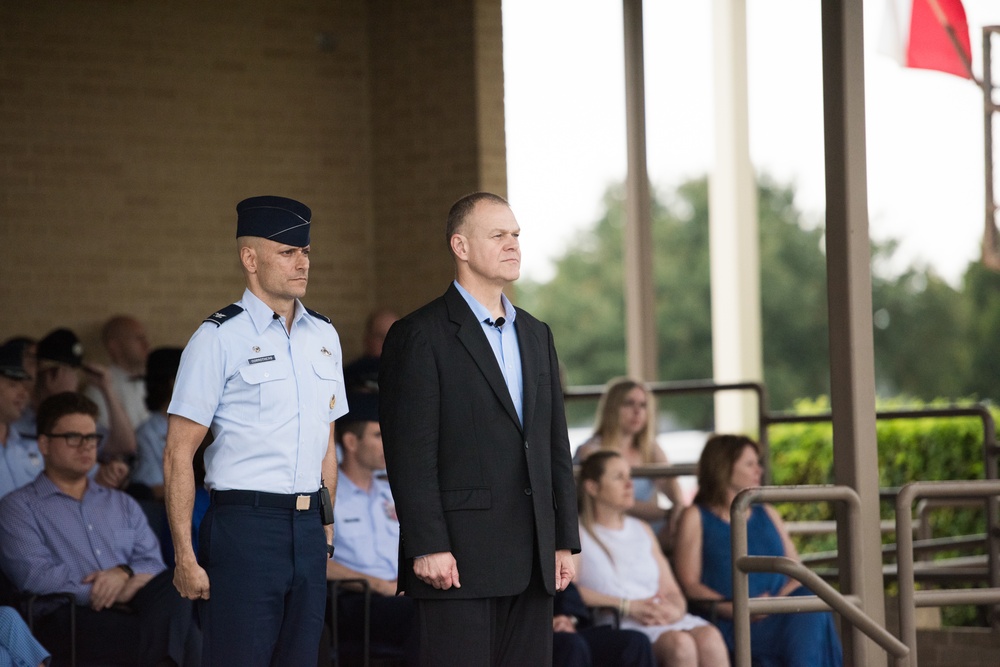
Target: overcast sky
{"type": "Point", "coordinates": [565, 120]}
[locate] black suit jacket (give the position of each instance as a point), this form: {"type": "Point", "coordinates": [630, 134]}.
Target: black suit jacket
{"type": "Point", "coordinates": [466, 476]}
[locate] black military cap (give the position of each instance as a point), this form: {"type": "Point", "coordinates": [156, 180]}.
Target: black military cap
{"type": "Point", "coordinates": [276, 218]}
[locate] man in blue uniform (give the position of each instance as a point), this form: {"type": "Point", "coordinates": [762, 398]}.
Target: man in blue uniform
{"type": "Point", "coordinates": [367, 538]}
{"type": "Point", "coordinates": [265, 374]}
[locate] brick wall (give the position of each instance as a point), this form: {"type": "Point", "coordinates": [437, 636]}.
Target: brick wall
{"type": "Point", "coordinates": [128, 132]}
{"type": "Point", "coordinates": [437, 102]}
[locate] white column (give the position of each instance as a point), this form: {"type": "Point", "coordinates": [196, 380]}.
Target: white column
{"type": "Point", "coordinates": [733, 229]}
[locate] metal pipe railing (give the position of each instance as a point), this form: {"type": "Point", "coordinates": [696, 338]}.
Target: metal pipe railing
{"type": "Point", "coordinates": [910, 599]}
{"type": "Point", "coordinates": [830, 598]}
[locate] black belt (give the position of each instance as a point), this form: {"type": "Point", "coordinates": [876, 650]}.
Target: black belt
{"type": "Point", "coordinates": [289, 501]}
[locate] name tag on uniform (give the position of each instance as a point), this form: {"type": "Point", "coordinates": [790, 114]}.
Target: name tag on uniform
{"type": "Point", "coordinates": [258, 360]}
{"type": "Point", "coordinates": [302, 503]}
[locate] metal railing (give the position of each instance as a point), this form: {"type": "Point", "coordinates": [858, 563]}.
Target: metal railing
{"type": "Point", "coordinates": [826, 598]}
{"type": "Point", "coordinates": [910, 599]}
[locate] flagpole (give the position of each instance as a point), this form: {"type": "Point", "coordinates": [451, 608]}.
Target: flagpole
{"type": "Point", "coordinates": [953, 36]}
{"type": "Point", "coordinates": [991, 236]}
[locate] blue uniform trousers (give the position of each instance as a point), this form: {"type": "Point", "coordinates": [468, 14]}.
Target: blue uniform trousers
{"type": "Point", "coordinates": [267, 577]}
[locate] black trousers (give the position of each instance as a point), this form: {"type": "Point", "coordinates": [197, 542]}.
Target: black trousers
{"type": "Point", "coordinates": [157, 625]}
{"type": "Point", "coordinates": [511, 631]}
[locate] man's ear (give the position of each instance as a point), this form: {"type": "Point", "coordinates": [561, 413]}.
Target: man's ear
{"type": "Point", "coordinates": [248, 258]}
{"type": "Point", "coordinates": [349, 441]}
{"type": "Point", "coordinates": [460, 246]}
{"type": "Point", "coordinates": [43, 444]}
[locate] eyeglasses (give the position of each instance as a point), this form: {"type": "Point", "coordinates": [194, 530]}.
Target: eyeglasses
{"type": "Point", "coordinates": [75, 440]}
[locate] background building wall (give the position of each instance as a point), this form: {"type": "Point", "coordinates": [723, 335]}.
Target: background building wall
{"type": "Point", "coordinates": [130, 130]}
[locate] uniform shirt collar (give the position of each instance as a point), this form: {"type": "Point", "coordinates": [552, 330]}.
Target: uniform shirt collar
{"type": "Point", "coordinates": [262, 315]}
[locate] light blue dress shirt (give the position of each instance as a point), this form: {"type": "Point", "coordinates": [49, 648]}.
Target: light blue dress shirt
{"type": "Point", "coordinates": [366, 538]}
{"type": "Point", "coordinates": [150, 441]}
{"type": "Point", "coordinates": [20, 462]}
{"type": "Point", "coordinates": [268, 395]}
{"type": "Point", "coordinates": [503, 341]}
{"type": "Point", "coordinates": [50, 541]}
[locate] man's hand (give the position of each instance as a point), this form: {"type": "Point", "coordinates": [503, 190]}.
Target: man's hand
{"type": "Point", "coordinates": [565, 569]}
{"type": "Point", "coordinates": [562, 623]}
{"type": "Point", "coordinates": [191, 581]}
{"type": "Point", "coordinates": [112, 474]}
{"type": "Point", "coordinates": [439, 570]}
{"type": "Point", "coordinates": [106, 586]}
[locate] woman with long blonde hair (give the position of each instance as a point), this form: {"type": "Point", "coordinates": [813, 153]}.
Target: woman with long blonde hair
{"type": "Point", "coordinates": [626, 424]}
{"type": "Point", "coordinates": [621, 565]}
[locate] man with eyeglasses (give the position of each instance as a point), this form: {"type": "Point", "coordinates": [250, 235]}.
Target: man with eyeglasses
{"type": "Point", "coordinates": [62, 533]}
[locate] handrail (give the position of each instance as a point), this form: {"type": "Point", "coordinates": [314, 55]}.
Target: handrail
{"type": "Point", "coordinates": [909, 598]}
{"type": "Point", "coordinates": [742, 563]}
{"type": "Point", "coordinates": [826, 597]}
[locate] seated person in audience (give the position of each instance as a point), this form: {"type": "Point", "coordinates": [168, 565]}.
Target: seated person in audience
{"type": "Point", "coordinates": [64, 534]}
{"type": "Point", "coordinates": [18, 648]}
{"type": "Point", "coordinates": [29, 347]}
{"type": "Point", "coordinates": [124, 339]}
{"type": "Point", "coordinates": [20, 460]}
{"type": "Point", "coordinates": [366, 540]}
{"type": "Point", "coordinates": [729, 464]}
{"type": "Point", "coordinates": [60, 363]}
{"type": "Point", "coordinates": [621, 565]}
{"type": "Point", "coordinates": [626, 423]}
{"type": "Point", "coordinates": [60, 360]}
{"type": "Point", "coordinates": [361, 374]}
{"type": "Point", "coordinates": [151, 436]}
{"type": "Point", "coordinates": [577, 642]}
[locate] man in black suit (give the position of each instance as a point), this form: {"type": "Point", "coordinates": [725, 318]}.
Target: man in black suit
{"type": "Point", "coordinates": [478, 457]}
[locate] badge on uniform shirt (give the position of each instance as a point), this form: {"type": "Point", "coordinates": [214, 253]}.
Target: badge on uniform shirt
{"type": "Point", "coordinates": [333, 401]}
{"type": "Point", "coordinates": [255, 349]}
{"type": "Point", "coordinates": [326, 353]}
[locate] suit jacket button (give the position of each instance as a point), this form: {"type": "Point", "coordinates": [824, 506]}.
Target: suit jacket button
{"type": "Point", "coordinates": [527, 492]}
{"type": "Point", "coordinates": [525, 444]}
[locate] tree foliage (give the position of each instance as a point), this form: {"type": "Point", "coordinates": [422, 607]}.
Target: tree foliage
{"type": "Point", "coordinates": [921, 319]}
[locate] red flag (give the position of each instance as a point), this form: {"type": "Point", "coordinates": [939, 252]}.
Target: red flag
{"type": "Point", "coordinates": [928, 34]}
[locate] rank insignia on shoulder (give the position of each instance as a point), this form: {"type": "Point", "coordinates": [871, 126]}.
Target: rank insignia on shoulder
{"type": "Point", "coordinates": [319, 316]}
{"type": "Point", "coordinates": [222, 316]}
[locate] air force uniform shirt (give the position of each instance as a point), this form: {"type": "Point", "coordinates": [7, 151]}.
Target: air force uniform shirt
{"type": "Point", "coordinates": [269, 396]}
{"type": "Point", "coordinates": [367, 535]}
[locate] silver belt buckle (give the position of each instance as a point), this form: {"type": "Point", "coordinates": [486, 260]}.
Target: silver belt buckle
{"type": "Point", "coordinates": [302, 503]}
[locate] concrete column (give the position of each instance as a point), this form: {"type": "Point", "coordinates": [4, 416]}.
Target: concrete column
{"type": "Point", "coordinates": [640, 312]}
{"type": "Point", "coordinates": [734, 237]}
{"type": "Point", "coordinates": [852, 359]}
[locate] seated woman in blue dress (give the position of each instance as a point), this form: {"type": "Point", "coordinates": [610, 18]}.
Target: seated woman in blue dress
{"type": "Point", "coordinates": [703, 561]}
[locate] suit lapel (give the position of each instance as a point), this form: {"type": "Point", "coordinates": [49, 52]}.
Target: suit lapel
{"type": "Point", "coordinates": [527, 340]}
{"type": "Point", "coordinates": [470, 334]}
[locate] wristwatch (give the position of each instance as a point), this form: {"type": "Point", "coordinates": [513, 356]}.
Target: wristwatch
{"type": "Point", "coordinates": [129, 571]}
{"type": "Point", "coordinates": [329, 551]}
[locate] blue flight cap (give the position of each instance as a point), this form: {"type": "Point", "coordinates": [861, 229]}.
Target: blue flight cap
{"type": "Point", "coordinates": [362, 407]}
{"type": "Point", "coordinates": [276, 218]}
{"type": "Point", "coordinates": [12, 361]}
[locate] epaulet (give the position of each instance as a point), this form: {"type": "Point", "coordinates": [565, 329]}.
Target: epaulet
{"type": "Point", "coordinates": [319, 316]}
{"type": "Point", "coordinates": [220, 317]}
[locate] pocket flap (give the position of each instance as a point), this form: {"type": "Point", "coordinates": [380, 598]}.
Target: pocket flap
{"type": "Point", "coordinates": [466, 499]}
{"type": "Point", "coordinates": [259, 373]}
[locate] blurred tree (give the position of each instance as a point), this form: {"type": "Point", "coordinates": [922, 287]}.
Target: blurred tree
{"type": "Point", "coordinates": [919, 318]}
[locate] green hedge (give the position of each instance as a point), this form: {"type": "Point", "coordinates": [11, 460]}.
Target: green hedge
{"type": "Point", "coordinates": [908, 450]}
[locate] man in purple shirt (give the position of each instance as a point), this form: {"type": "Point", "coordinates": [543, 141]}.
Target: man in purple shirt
{"type": "Point", "coordinates": [62, 533]}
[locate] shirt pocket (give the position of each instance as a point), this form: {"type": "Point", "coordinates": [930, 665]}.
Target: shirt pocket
{"type": "Point", "coordinates": [330, 386]}
{"type": "Point", "coordinates": [269, 390]}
